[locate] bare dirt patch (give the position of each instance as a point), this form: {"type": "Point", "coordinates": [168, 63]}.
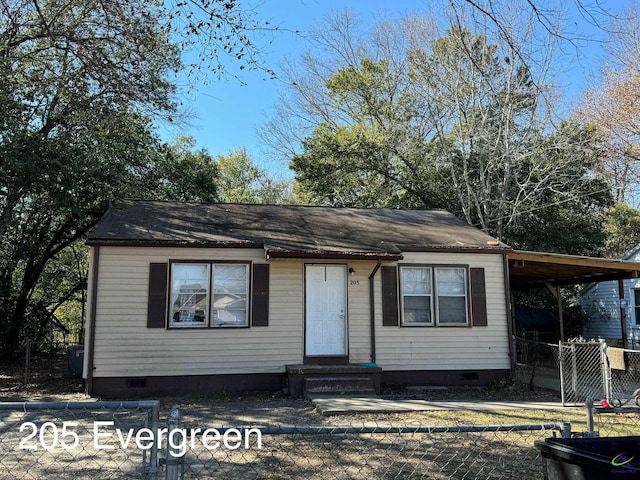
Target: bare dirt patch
{"type": "Point", "coordinates": [47, 382]}
{"type": "Point", "coordinates": [447, 455]}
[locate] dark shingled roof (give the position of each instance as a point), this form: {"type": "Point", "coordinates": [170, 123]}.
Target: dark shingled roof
{"type": "Point", "coordinates": [288, 231]}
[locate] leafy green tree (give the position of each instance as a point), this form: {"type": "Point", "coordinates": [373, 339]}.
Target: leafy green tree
{"type": "Point", "coordinates": [180, 172]}
{"type": "Point", "coordinates": [55, 188]}
{"type": "Point", "coordinates": [59, 299]}
{"type": "Point", "coordinates": [571, 206]}
{"type": "Point", "coordinates": [80, 82]}
{"type": "Point", "coordinates": [358, 166]}
{"type": "Point", "coordinates": [239, 177]}
{"type": "Point", "coordinates": [459, 128]}
{"type": "Point", "coordinates": [242, 181]}
{"type": "Point", "coordinates": [369, 154]}
{"type": "Point", "coordinates": [622, 229]}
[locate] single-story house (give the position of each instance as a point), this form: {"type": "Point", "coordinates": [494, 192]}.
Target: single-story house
{"type": "Point", "coordinates": [199, 298]}
{"type": "Point", "coordinates": [204, 297]}
{"type": "Point", "coordinates": [602, 308]}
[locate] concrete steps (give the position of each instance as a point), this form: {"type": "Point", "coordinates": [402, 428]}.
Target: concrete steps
{"type": "Point", "coordinates": [323, 380]}
{"type": "Point", "coordinates": [339, 385]}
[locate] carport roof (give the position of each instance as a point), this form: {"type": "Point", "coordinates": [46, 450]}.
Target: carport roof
{"type": "Point", "coordinates": [534, 269]}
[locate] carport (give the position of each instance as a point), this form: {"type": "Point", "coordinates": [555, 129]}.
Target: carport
{"type": "Point", "coordinates": [527, 270]}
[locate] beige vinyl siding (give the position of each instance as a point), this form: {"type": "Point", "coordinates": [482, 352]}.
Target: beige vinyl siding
{"type": "Point", "coordinates": [449, 348]}
{"type": "Point", "coordinates": [125, 347]}
{"type": "Point", "coordinates": [359, 311]}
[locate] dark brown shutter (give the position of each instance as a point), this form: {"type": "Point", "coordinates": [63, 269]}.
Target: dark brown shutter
{"type": "Point", "coordinates": [157, 306]}
{"type": "Point", "coordinates": [389, 276]}
{"type": "Point", "coordinates": [478, 298]}
{"type": "Point", "coordinates": [260, 297]}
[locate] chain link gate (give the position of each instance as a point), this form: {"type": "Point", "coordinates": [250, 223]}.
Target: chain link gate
{"type": "Point", "coordinates": [584, 372]}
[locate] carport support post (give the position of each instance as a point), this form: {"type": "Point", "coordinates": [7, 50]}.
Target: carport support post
{"type": "Point", "coordinates": [623, 313]}
{"type": "Point", "coordinates": [555, 291]}
{"type": "Point", "coordinates": [560, 315]}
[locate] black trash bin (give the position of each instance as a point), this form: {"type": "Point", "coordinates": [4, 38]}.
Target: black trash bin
{"type": "Point", "coordinates": [598, 458]}
{"type": "Point", "coordinates": [75, 359]}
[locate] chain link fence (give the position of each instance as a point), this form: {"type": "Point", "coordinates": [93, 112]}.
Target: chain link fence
{"type": "Point", "coordinates": [374, 451]}
{"type": "Point", "coordinates": [614, 421]}
{"type": "Point", "coordinates": [579, 369]}
{"type": "Point", "coordinates": [624, 372]}
{"type": "Point", "coordinates": [127, 440]}
{"type": "Point", "coordinates": [78, 440]}
{"type": "Point", "coordinates": [540, 354]}
{"type": "Point", "coordinates": [538, 363]}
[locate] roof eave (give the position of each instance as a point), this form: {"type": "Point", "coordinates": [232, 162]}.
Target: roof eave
{"type": "Point", "coordinates": [330, 255]}
{"type": "Point", "coordinates": [171, 243]}
{"type": "Point", "coordinates": [502, 248]}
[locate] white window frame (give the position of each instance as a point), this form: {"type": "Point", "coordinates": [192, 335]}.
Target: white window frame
{"type": "Point", "coordinates": [210, 314]}
{"type": "Point", "coordinates": [636, 307]}
{"type": "Point", "coordinates": [434, 296]}
{"type": "Point", "coordinates": [214, 311]}
{"type": "Point", "coordinates": [429, 295]}
{"type": "Point", "coordinates": [438, 295]}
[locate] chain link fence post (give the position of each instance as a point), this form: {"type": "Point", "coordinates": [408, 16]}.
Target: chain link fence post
{"type": "Point", "coordinates": [174, 460]}
{"type": "Point", "coordinates": [606, 371]}
{"type": "Point", "coordinates": [565, 429]}
{"type": "Point", "coordinates": [27, 363]}
{"type": "Point", "coordinates": [153, 421]}
{"type": "Point", "coordinates": [589, 405]}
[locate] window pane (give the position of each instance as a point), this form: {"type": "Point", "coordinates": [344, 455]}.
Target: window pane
{"type": "Point", "coordinates": [230, 279]}
{"type": "Point", "coordinates": [450, 281]}
{"type": "Point", "coordinates": [452, 309]}
{"type": "Point", "coordinates": [415, 280]}
{"type": "Point", "coordinates": [230, 287]}
{"type": "Point", "coordinates": [189, 294]}
{"type": "Point", "coordinates": [417, 310]}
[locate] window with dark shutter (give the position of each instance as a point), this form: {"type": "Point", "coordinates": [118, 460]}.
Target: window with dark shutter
{"type": "Point", "coordinates": [478, 298]}
{"type": "Point", "coordinates": [389, 277]}
{"type": "Point", "coordinates": [260, 296]}
{"type": "Point", "coordinates": [157, 302]}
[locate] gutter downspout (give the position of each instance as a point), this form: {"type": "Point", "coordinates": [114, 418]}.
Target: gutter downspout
{"type": "Point", "coordinates": [372, 307]}
{"type": "Point", "coordinates": [92, 320]}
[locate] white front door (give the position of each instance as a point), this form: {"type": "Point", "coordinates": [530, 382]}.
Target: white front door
{"type": "Point", "coordinates": [326, 310]}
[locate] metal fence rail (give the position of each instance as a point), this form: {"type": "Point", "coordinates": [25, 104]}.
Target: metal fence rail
{"type": "Point", "coordinates": [365, 452]}
{"type": "Point", "coordinates": [115, 440]}
{"type": "Point", "coordinates": [77, 440]}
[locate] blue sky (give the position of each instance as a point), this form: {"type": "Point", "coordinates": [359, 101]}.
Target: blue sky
{"type": "Point", "coordinates": [225, 115]}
